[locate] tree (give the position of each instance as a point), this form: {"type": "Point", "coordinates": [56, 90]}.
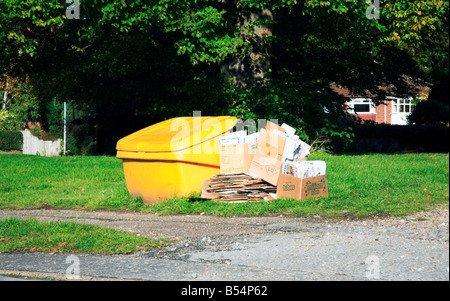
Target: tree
{"type": "Point", "coordinates": [434, 110]}
{"type": "Point", "coordinates": [20, 105]}
{"type": "Point", "coordinates": [429, 112]}
{"type": "Point", "coordinates": [165, 57]}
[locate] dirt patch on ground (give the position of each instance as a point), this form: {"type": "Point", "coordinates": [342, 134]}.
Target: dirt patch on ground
{"type": "Point", "coordinates": [204, 226]}
{"type": "Point", "coordinates": [154, 226]}
{"type": "Point", "coordinates": [10, 152]}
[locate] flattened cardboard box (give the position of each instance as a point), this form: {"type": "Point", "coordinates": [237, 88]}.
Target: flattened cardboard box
{"type": "Point", "coordinates": [300, 189]}
{"type": "Point", "coordinates": [236, 158]}
{"type": "Point", "coordinates": [267, 163]}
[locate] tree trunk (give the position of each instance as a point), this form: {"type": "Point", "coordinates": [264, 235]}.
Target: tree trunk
{"type": "Point", "coordinates": [250, 64]}
{"type": "Point", "coordinates": [5, 96]}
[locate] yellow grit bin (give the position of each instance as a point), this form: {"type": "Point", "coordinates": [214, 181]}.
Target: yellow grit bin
{"type": "Point", "coordinates": [172, 158]}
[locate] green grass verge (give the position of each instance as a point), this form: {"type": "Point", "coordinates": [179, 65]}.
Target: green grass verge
{"type": "Point", "coordinates": [30, 182]}
{"type": "Point", "coordinates": [69, 237]}
{"type": "Point", "coordinates": [359, 186]}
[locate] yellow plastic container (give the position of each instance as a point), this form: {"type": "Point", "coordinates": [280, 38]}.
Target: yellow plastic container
{"type": "Point", "coordinates": [172, 158]}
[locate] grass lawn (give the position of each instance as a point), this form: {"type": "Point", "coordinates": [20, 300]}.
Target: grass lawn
{"type": "Point", "coordinates": [359, 186]}
{"type": "Point", "coordinates": [67, 237]}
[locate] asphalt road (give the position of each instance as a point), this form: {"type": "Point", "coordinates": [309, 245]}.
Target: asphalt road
{"type": "Point", "coordinates": [252, 249]}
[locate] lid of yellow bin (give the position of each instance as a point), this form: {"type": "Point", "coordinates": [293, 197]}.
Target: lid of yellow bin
{"type": "Point", "coordinates": [176, 134]}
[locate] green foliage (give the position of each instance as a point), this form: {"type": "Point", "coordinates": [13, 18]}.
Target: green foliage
{"type": "Point", "coordinates": [9, 121]}
{"type": "Point", "coordinates": [81, 140]}
{"type": "Point", "coordinates": [11, 140]}
{"type": "Point", "coordinates": [206, 30]}
{"type": "Point", "coordinates": [24, 104]}
{"type": "Point", "coordinates": [435, 110]}
{"type": "Point", "coordinates": [429, 112]}
{"type": "Point", "coordinates": [315, 115]}
{"type": "Point", "coordinates": [141, 62]}
{"type": "Point", "coordinates": [41, 134]}
{"type": "Point", "coordinates": [52, 116]}
{"type": "Point", "coordinates": [21, 104]}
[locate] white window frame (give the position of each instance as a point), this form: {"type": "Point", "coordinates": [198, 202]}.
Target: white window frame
{"type": "Point", "coordinates": [353, 101]}
{"type": "Point", "coordinates": [401, 105]}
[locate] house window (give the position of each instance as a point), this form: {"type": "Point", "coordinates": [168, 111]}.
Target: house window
{"type": "Point", "coordinates": [400, 105]}
{"type": "Point", "coordinates": [361, 106]}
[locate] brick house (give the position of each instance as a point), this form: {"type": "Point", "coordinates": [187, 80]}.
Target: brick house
{"type": "Point", "coordinates": [393, 110]}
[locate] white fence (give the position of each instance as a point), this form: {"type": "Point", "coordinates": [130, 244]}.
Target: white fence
{"type": "Point", "coordinates": [35, 146]}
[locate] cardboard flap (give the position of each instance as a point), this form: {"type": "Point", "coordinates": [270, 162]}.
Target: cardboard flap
{"type": "Point", "coordinates": [236, 157]}
{"type": "Point", "coordinates": [271, 144]}
{"type": "Point", "coordinates": [270, 127]}
{"type": "Point", "coordinates": [265, 167]}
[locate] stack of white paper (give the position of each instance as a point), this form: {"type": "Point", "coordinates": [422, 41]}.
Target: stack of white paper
{"type": "Point", "coordinates": [290, 131]}
{"type": "Point", "coordinates": [252, 138]}
{"type": "Point", "coordinates": [305, 169]}
{"type": "Point", "coordinates": [294, 147]}
{"type": "Point", "coordinates": [233, 138]}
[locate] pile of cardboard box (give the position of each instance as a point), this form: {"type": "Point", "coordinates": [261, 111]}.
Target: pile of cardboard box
{"type": "Point", "coordinates": [266, 165]}
{"type": "Point", "coordinates": [237, 187]}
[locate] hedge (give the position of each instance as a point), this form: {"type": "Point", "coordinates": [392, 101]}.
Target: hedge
{"type": "Point", "coordinates": [385, 138]}
{"type": "Point", "coordinates": [11, 140]}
